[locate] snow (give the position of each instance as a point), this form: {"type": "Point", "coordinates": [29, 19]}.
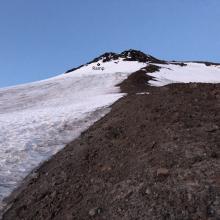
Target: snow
{"type": "Point", "coordinates": [193, 72]}
{"type": "Point", "coordinates": [38, 119]}
{"type": "Point", "coordinates": [143, 93]}
{"type": "Point", "coordinates": [115, 66]}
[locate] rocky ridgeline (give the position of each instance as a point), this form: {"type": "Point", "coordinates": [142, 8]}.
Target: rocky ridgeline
{"type": "Point", "coordinates": [127, 55]}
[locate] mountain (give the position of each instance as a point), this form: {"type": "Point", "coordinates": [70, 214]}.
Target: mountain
{"type": "Point", "coordinates": [137, 138]}
{"type": "Point", "coordinates": [170, 71]}
{"type": "Point", "coordinates": [127, 55]}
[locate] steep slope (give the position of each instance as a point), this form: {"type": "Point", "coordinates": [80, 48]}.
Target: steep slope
{"type": "Point", "coordinates": [154, 156]}
{"type": "Point", "coordinates": [38, 119]}
{"type": "Point", "coordinates": [48, 114]}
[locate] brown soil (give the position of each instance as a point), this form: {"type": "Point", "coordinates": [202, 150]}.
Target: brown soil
{"type": "Point", "coordinates": [154, 156]}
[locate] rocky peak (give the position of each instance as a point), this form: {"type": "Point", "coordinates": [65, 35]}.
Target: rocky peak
{"type": "Point", "coordinates": [136, 55]}
{"type": "Point", "coordinates": [106, 57]}
{"type": "Point", "coordinates": [127, 55]}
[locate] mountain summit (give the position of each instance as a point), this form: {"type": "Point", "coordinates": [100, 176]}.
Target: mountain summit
{"type": "Point", "coordinates": [127, 55]}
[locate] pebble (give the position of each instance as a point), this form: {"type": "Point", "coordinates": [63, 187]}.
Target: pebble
{"type": "Point", "coordinates": [212, 128]}
{"type": "Point", "coordinates": [94, 211]}
{"type": "Point", "coordinates": [147, 191]}
{"type": "Point", "coordinates": [162, 172]}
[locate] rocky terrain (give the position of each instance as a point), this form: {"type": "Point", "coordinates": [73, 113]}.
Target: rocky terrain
{"type": "Point", "coordinates": [155, 156]}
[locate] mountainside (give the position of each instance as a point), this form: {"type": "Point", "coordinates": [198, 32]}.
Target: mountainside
{"type": "Point", "coordinates": [40, 118]}
{"type": "Point", "coordinates": [154, 155]}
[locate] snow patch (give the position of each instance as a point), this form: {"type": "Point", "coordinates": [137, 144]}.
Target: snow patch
{"type": "Point", "coordinates": [193, 72]}
{"type": "Point", "coordinates": [143, 93]}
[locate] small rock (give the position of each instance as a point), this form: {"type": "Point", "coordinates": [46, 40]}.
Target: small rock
{"type": "Point", "coordinates": [95, 211]}
{"type": "Point", "coordinates": [162, 172]}
{"type": "Point", "coordinates": [189, 195]}
{"type": "Point", "coordinates": [214, 155]}
{"type": "Point", "coordinates": [34, 175]}
{"type": "Point", "coordinates": [153, 145]}
{"type": "Point", "coordinates": [92, 212]}
{"type": "Point", "coordinates": [212, 128]}
{"type": "Point", "coordinates": [192, 184]}
{"type": "Point", "coordinates": [53, 194]}
{"type": "Point", "coordinates": [105, 168]}
{"type": "Point", "coordinates": [147, 191]}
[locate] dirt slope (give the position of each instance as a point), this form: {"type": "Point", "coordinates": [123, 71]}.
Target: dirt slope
{"type": "Point", "coordinates": [154, 156]}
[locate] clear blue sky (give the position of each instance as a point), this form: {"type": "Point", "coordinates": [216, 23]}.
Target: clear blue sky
{"type": "Point", "coordinates": [42, 38]}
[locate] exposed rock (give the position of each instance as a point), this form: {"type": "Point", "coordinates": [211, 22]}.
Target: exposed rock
{"type": "Point", "coordinates": [162, 172]}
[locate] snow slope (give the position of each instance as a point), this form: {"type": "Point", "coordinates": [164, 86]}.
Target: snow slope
{"type": "Point", "coordinates": [38, 119]}
{"type": "Point", "coordinates": [192, 72]}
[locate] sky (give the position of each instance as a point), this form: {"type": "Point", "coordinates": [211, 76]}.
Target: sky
{"type": "Point", "coordinates": [43, 38]}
